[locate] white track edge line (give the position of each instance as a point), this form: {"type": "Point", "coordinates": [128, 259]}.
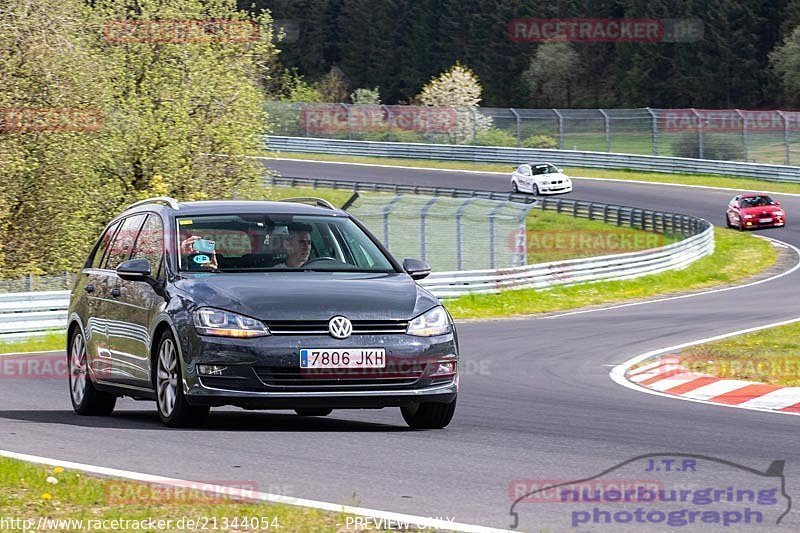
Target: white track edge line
{"type": "Point", "coordinates": [618, 180]}
{"type": "Point", "coordinates": [617, 374]}
{"type": "Point", "coordinates": [694, 294]}
{"type": "Point", "coordinates": [31, 353]}
{"type": "Point", "coordinates": [261, 496]}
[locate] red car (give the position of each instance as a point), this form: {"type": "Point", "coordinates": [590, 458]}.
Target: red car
{"type": "Point", "coordinates": [754, 210]}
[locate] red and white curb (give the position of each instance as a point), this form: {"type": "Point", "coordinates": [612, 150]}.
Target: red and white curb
{"type": "Point", "coordinates": [661, 373]}
{"type": "Point", "coordinates": [666, 374]}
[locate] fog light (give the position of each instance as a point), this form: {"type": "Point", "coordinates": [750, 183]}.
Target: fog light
{"type": "Point", "coordinates": [441, 369]}
{"type": "Point", "coordinates": [211, 370]}
{"type": "Point", "coordinates": [749, 223]}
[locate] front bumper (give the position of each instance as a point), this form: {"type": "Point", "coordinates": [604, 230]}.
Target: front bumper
{"type": "Point", "coordinates": [555, 189]}
{"type": "Point", "coordinates": [265, 373]}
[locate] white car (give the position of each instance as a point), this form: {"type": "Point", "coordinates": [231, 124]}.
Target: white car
{"type": "Point", "coordinates": [540, 178]}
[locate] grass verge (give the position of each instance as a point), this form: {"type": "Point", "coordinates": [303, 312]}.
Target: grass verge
{"type": "Point", "coordinates": [30, 492]}
{"type": "Point", "coordinates": [55, 340]}
{"type": "Point", "coordinates": [736, 257]}
{"type": "Point", "coordinates": [707, 180]}
{"type": "Point", "coordinates": [767, 356]}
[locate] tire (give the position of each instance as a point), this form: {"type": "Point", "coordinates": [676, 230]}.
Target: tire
{"type": "Point", "coordinates": [429, 415]}
{"type": "Point", "coordinates": [173, 409]}
{"type": "Point", "coordinates": [740, 226]}
{"type": "Point", "coordinates": [313, 411]}
{"type": "Point", "coordinates": [535, 190]}
{"type": "Point", "coordinates": [728, 221]}
{"type": "Point", "coordinates": [514, 187]}
{"type": "Point", "coordinates": [86, 399]}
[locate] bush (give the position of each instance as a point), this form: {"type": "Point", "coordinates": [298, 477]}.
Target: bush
{"type": "Point", "coordinates": [494, 137]}
{"type": "Point", "coordinates": [539, 141]}
{"type": "Point", "coordinates": [714, 147]}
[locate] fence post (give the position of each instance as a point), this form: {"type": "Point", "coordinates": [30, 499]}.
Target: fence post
{"type": "Point", "coordinates": [492, 234]}
{"type": "Point", "coordinates": [386, 211]}
{"type": "Point", "coordinates": [654, 133]}
{"type": "Point", "coordinates": [607, 128]}
{"type": "Point", "coordinates": [787, 158]}
{"type": "Point", "coordinates": [460, 233]}
{"type": "Point", "coordinates": [305, 126]}
{"type": "Point", "coordinates": [700, 136]}
{"type": "Point", "coordinates": [389, 120]}
{"type": "Point", "coordinates": [523, 255]}
{"type": "Point", "coordinates": [516, 116]}
{"type": "Point", "coordinates": [423, 226]}
{"type": "Point", "coordinates": [474, 123]}
{"type": "Point", "coordinates": [29, 282]}
{"type": "Point", "coordinates": [560, 129]}
{"type": "Point", "coordinates": [349, 131]}
{"type": "Point", "coordinates": [745, 144]}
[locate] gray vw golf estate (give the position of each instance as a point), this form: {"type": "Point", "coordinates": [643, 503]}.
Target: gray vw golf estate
{"type": "Point", "coordinates": [261, 305]}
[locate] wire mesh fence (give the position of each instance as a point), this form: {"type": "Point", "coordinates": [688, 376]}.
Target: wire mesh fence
{"type": "Point", "coordinates": [32, 283]}
{"type": "Point", "coordinates": [448, 233]}
{"type": "Point", "coordinates": [762, 136]}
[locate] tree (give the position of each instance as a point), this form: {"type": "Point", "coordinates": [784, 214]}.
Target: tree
{"type": "Point", "coordinates": [785, 60]}
{"type": "Point", "coordinates": [366, 96]}
{"type": "Point", "coordinates": [167, 109]}
{"type": "Point", "coordinates": [552, 73]}
{"type": "Point", "coordinates": [459, 88]}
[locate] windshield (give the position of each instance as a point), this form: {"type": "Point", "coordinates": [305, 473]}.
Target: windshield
{"type": "Point", "coordinates": [546, 169]}
{"type": "Point", "coordinates": [756, 201]}
{"type": "Point", "coordinates": [258, 243]}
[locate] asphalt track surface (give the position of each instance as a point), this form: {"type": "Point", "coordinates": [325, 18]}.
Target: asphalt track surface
{"type": "Point", "coordinates": [536, 401]}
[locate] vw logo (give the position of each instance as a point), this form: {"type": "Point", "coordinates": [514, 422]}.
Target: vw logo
{"type": "Point", "coordinates": [340, 327]}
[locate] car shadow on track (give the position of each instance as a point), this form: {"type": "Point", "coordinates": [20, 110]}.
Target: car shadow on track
{"type": "Point", "coordinates": [221, 420]}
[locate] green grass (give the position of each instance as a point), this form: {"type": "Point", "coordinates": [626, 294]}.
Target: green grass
{"type": "Point", "coordinates": [26, 494]}
{"type": "Point", "coordinates": [655, 177]}
{"type": "Point", "coordinates": [736, 257]}
{"type": "Point", "coordinates": [768, 356]}
{"type": "Point", "coordinates": [55, 340]}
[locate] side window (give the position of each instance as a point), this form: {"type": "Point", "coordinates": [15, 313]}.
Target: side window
{"type": "Point", "coordinates": [150, 244]}
{"type": "Point", "coordinates": [525, 170]}
{"type": "Point", "coordinates": [123, 242]}
{"type": "Point", "coordinates": [101, 246]}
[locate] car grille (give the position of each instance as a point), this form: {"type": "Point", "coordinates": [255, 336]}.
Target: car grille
{"type": "Point", "coordinates": [316, 379]}
{"type": "Point", "coordinates": [320, 327]}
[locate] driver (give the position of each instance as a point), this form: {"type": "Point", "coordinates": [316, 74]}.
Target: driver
{"type": "Point", "coordinates": [297, 246]}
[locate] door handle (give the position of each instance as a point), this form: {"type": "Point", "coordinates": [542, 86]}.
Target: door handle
{"type": "Point", "coordinates": [89, 288]}
{"type": "Point", "coordinates": [115, 292]}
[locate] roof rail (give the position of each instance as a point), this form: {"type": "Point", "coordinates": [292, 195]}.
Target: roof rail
{"type": "Point", "coordinates": [320, 202]}
{"type": "Point", "coordinates": [167, 200]}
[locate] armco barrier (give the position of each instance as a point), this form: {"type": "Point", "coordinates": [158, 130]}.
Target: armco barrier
{"type": "Point", "coordinates": [26, 314]}
{"type": "Point", "coordinates": [516, 156]}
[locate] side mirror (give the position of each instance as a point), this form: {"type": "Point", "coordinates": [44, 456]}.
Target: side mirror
{"type": "Point", "coordinates": [777, 202]}
{"type": "Point", "coordinates": [416, 269]}
{"type": "Point", "coordinates": [134, 270]}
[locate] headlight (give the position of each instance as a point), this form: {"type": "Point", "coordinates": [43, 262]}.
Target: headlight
{"type": "Point", "coordinates": [434, 322]}
{"type": "Point", "coordinates": [779, 213]}
{"type": "Point", "coordinates": [209, 321]}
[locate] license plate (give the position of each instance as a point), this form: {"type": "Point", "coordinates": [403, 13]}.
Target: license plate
{"type": "Point", "coordinates": [349, 358]}
{"type": "Point", "coordinates": [762, 220]}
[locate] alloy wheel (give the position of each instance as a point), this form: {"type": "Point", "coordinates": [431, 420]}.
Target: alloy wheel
{"type": "Point", "coordinates": [167, 377]}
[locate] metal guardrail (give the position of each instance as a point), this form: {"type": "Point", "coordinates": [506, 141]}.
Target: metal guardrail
{"type": "Point", "coordinates": [25, 314]}
{"type": "Point", "coordinates": [761, 136]}
{"type": "Point", "coordinates": [515, 156]}
{"type": "Point", "coordinates": [570, 272]}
